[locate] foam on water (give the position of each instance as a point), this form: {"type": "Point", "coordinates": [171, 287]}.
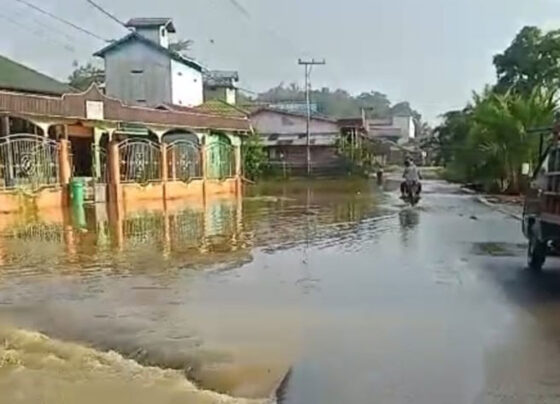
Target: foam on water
{"type": "Point", "coordinates": [37, 369]}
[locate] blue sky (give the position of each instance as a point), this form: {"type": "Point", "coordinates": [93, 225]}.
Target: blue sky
{"type": "Point", "coordinates": [430, 52]}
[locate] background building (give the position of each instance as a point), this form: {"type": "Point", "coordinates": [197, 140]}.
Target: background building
{"type": "Point", "coordinates": [141, 69]}
{"type": "Point", "coordinates": [284, 135]}
{"type": "Point", "coordinates": [220, 85]}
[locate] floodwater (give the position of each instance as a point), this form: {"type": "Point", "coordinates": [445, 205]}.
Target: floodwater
{"type": "Point", "coordinates": [303, 293]}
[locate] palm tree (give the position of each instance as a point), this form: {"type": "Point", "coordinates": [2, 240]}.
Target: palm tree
{"type": "Point", "coordinates": [500, 133]}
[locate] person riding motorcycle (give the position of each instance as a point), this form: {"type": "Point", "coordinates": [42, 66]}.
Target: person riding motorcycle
{"type": "Point", "coordinates": [411, 177]}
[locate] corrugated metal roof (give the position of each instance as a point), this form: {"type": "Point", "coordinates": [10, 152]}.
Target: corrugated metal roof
{"type": "Point", "coordinates": [221, 78]}
{"type": "Point", "coordinates": [143, 22]}
{"type": "Point", "coordinates": [15, 76]}
{"type": "Point", "coordinates": [314, 116]}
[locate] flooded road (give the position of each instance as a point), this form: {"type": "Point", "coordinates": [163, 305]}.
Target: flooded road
{"type": "Point", "coordinates": [336, 291]}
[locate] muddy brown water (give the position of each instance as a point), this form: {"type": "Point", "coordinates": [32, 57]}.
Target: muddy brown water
{"type": "Point", "coordinates": [309, 293]}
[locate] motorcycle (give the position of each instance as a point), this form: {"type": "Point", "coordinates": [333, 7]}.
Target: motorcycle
{"type": "Point", "coordinates": [411, 193]}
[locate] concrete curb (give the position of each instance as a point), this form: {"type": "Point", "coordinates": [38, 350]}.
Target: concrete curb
{"type": "Point", "coordinates": [482, 199]}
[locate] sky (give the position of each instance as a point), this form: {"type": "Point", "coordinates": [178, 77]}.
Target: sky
{"type": "Point", "coordinates": [432, 53]}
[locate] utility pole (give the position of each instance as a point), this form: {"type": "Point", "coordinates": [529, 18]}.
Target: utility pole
{"type": "Point", "coordinates": [308, 65]}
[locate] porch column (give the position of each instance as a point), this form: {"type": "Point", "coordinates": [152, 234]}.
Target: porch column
{"type": "Point", "coordinates": [238, 178]}
{"type": "Point", "coordinates": [203, 158]}
{"type": "Point", "coordinates": [65, 171]}
{"type": "Point", "coordinates": [173, 173]}
{"type": "Point", "coordinates": [114, 173]}
{"type": "Point", "coordinates": [97, 133]}
{"type": "Point", "coordinates": [164, 174]}
{"type": "Point", "coordinates": [5, 125]}
{"type": "Point", "coordinates": [44, 127]}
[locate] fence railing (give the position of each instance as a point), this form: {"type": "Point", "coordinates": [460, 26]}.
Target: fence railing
{"type": "Point", "coordinates": [220, 160]}
{"type": "Point", "coordinates": [28, 161]}
{"type": "Point", "coordinates": [184, 161]}
{"type": "Point", "coordinates": [140, 161]}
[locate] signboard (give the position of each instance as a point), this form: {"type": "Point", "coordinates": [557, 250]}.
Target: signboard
{"type": "Point", "coordinates": [94, 110]}
{"type": "Point", "coordinates": [132, 129]}
{"type": "Point", "coordinates": [294, 107]}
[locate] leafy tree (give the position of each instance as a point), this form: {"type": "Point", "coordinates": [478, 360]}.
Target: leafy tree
{"type": "Point", "coordinates": [338, 103]}
{"type": "Point", "coordinates": [490, 140]}
{"type": "Point", "coordinates": [182, 46]}
{"type": "Point", "coordinates": [532, 60]}
{"type": "Point", "coordinates": [376, 103]}
{"type": "Point", "coordinates": [85, 75]}
{"type": "Point", "coordinates": [254, 156]}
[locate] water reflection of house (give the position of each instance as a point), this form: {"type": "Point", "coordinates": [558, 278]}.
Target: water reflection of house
{"type": "Point", "coordinates": [150, 115]}
{"type": "Point", "coordinates": [205, 234]}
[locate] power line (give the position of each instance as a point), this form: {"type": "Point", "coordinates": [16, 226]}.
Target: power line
{"type": "Point", "coordinates": [43, 37]}
{"type": "Point", "coordinates": [240, 8]}
{"type": "Point", "coordinates": [62, 20]}
{"type": "Point", "coordinates": [308, 65]}
{"type": "Point", "coordinates": [246, 90]}
{"type": "Point", "coordinates": [107, 13]}
{"type": "Point", "coordinates": [269, 30]}
{"type": "Point", "coordinates": [49, 28]}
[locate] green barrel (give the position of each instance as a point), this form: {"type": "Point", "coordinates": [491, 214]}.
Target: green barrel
{"type": "Point", "coordinates": [79, 216]}
{"type": "Point", "coordinates": [77, 191]}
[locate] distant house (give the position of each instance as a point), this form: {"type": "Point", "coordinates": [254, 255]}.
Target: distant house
{"type": "Point", "coordinates": [141, 69]}
{"type": "Point", "coordinates": [398, 129]}
{"type": "Point", "coordinates": [220, 85]}
{"type": "Point", "coordinates": [17, 77]}
{"type": "Point", "coordinates": [284, 135]}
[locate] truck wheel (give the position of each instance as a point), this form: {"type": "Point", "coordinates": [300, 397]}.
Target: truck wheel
{"type": "Point", "coordinates": [536, 254]}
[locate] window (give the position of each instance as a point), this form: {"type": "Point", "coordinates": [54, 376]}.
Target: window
{"type": "Point", "coordinates": [138, 86]}
{"type": "Point", "coordinates": [163, 32]}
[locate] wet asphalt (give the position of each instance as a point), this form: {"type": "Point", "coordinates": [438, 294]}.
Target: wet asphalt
{"type": "Point", "coordinates": [347, 297]}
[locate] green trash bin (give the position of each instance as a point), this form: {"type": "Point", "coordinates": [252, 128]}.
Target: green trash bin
{"type": "Point", "coordinates": [77, 191]}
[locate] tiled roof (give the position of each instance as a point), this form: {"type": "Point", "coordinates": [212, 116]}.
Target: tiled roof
{"type": "Point", "coordinates": [137, 37]}
{"type": "Point", "coordinates": [73, 106]}
{"type": "Point", "coordinates": [222, 108]}
{"type": "Point", "coordinates": [213, 107]}
{"type": "Point", "coordinates": [151, 22]}
{"type": "Point", "coordinates": [17, 77]}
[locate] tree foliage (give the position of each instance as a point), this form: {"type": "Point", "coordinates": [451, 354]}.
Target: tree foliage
{"type": "Point", "coordinates": [489, 140]}
{"type": "Point", "coordinates": [182, 46]}
{"type": "Point", "coordinates": [532, 60]}
{"type": "Point", "coordinates": [339, 103]}
{"type": "Point", "coordinates": [85, 75]}
{"type": "Point", "coordinates": [254, 156]}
